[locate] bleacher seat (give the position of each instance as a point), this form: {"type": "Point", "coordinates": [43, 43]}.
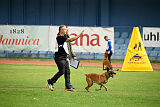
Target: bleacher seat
{"type": "Point", "coordinates": [120, 41]}
{"type": "Point", "coordinates": [78, 55]}
{"type": "Point", "coordinates": [127, 41]}
{"type": "Point", "coordinates": [51, 54]}
{"type": "Point", "coordinates": [87, 55]}
{"type": "Point", "coordinates": [118, 53]}
{"type": "Point", "coordinates": [116, 34]}
{"type": "Point", "coordinates": [124, 52]}
{"type": "Point", "coordinates": [123, 47]}
{"type": "Point", "coordinates": [2, 53]}
{"type": "Point", "coordinates": [130, 35]}
{"type": "Point", "coordinates": [158, 59]}
{"type": "Point", "coordinates": [115, 40]}
{"type": "Point", "coordinates": [148, 52]}
{"type": "Point", "coordinates": [149, 48]}
{"type": "Point", "coordinates": [17, 53]}
{"type": "Point", "coordinates": [156, 49]}
{"type": "Point", "coordinates": [43, 54]}
{"type": "Point", "coordinates": [8, 54]}
{"type": "Point", "coordinates": [26, 54]}
{"type": "Point", "coordinates": [116, 47]}
{"type": "Point", "coordinates": [124, 35]}
{"type": "Point", "coordinates": [153, 53]}
{"type": "Point", "coordinates": [99, 55]}
{"type": "Point", "coordinates": [34, 54]}
{"type": "Point", "coordinates": [152, 58]}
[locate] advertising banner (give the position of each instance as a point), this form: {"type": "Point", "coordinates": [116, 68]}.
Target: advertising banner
{"type": "Point", "coordinates": [93, 39]}
{"type": "Point", "coordinates": [151, 37]}
{"type": "Point", "coordinates": [42, 38]}
{"type": "Point", "coordinates": [13, 37]}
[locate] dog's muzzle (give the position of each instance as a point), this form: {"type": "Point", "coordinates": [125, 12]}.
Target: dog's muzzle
{"type": "Point", "coordinates": [111, 74]}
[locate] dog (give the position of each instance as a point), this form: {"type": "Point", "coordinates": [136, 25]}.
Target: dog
{"type": "Point", "coordinates": [106, 62]}
{"type": "Point", "coordinates": [100, 79]}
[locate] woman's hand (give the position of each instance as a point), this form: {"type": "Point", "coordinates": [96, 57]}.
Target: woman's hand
{"type": "Point", "coordinates": [75, 38]}
{"type": "Point", "coordinates": [81, 34]}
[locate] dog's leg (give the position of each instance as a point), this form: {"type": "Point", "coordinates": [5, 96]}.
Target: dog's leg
{"type": "Point", "coordinates": [108, 65]}
{"type": "Point", "coordinates": [114, 70]}
{"type": "Point", "coordinates": [99, 88]}
{"type": "Point", "coordinates": [103, 67]}
{"type": "Point", "coordinates": [90, 83]}
{"type": "Point", "coordinates": [104, 86]}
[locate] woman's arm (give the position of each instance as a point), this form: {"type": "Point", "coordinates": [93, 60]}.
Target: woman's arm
{"type": "Point", "coordinates": [75, 38]}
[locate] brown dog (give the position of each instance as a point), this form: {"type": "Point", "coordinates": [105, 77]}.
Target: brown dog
{"type": "Point", "coordinates": [106, 62]}
{"type": "Point", "coordinates": [100, 79]}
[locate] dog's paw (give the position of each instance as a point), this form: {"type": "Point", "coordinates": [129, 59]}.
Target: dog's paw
{"type": "Point", "coordinates": [97, 89]}
{"type": "Point", "coordinates": [87, 89]}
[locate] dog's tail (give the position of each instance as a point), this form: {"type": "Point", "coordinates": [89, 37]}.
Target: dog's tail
{"type": "Point", "coordinates": [114, 70]}
{"type": "Point", "coordinates": [83, 70]}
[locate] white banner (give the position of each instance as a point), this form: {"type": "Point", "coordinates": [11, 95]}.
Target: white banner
{"type": "Point", "coordinates": [93, 40]}
{"type": "Point", "coordinates": [34, 38]}
{"type": "Point", "coordinates": [42, 38]}
{"type": "Point", "coordinates": [151, 37]}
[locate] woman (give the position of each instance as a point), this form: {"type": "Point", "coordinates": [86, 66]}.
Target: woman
{"type": "Point", "coordinates": [61, 58]}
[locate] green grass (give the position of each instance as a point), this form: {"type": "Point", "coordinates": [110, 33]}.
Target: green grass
{"type": "Point", "coordinates": [24, 86]}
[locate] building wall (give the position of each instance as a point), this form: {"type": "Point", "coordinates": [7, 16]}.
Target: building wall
{"type": "Point", "coordinates": [80, 12]}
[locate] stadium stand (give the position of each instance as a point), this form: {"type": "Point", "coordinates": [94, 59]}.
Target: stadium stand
{"type": "Point", "coordinates": [2, 53]}
{"type": "Point", "coordinates": [116, 34]}
{"type": "Point", "coordinates": [99, 55]}
{"type": "Point", "coordinates": [124, 35]}
{"type": "Point", "coordinates": [127, 41]}
{"type": "Point", "coordinates": [34, 54]}
{"type": "Point", "coordinates": [26, 54]}
{"type": "Point", "coordinates": [119, 41]}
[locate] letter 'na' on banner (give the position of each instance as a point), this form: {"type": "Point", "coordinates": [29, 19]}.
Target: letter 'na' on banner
{"type": "Point", "coordinates": [136, 58]}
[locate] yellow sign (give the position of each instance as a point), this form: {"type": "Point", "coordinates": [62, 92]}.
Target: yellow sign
{"type": "Point", "coordinates": [136, 58]}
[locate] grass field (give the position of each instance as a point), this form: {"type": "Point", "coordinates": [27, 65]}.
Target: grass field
{"type": "Point", "coordinates": [24, 86]}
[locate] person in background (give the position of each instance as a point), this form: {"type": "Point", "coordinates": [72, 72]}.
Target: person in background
{"type": "Point", "coordinates": [70, 54]}
{"type": "Point", "coordinates": [109, 47]}
{"type": "Point", "coordinates": [61, 58]}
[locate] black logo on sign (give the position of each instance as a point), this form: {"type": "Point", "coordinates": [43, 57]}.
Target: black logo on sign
{"type": "Point", "coordinates": [138, 47]}
{"type": "Point", "coordinates": [136, 58]}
